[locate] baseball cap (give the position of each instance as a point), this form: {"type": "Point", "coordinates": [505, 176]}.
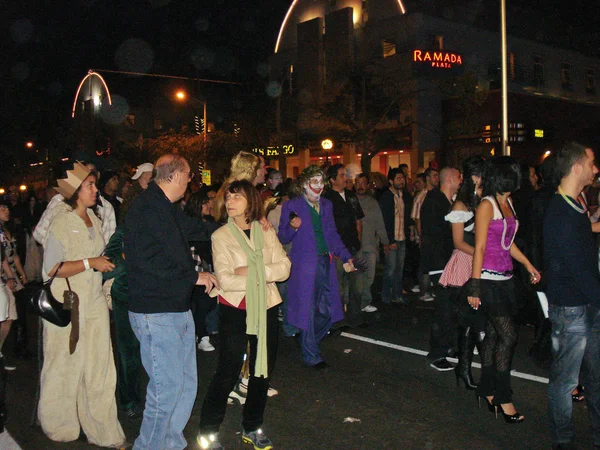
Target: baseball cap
{"type": "Point", "coordinates": [146, 167]}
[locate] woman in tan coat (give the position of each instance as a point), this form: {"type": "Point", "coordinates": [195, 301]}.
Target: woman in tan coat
{"type": "Point", "coordinates": [248, 261]}
{"type": "Point", "coordinates": [78, 377]}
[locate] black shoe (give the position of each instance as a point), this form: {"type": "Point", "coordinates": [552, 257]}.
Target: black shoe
{"type": "Point", "coordinates": [491, 408]}
{"type": "Point", "coordinates": [442, 365]}
{"type": "Point", "coordinates": [321, 367]}
{"type": "Point", "coordinates": [510, 419]}
{"type": "Point", "coordinates": [7, 364]}
{"type": "Point", "coordinates": [569, 446]}
{"type": "Point", "coordinates": [334, 332]}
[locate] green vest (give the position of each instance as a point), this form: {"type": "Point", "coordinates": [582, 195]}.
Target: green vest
{"type": "Point", "coordinates": [318, 229]}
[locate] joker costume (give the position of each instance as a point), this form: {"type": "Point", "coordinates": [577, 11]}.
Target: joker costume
{"type": "Point", "coordinates": [313, 293]}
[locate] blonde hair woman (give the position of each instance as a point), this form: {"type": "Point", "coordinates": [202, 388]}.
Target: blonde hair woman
{"type": "Point", "coordinates": [244, 166]}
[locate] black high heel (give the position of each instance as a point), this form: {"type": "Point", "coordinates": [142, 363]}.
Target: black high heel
{"type": "Point", "coordinates": [510, 419]}
{"type": "Point", "coordinates": [491, 407]}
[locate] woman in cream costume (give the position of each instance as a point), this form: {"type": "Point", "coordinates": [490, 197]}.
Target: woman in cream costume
{"type": "Point", "coordinates": [78, 387]}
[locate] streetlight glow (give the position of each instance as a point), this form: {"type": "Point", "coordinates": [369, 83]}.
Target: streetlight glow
{"type": "Point", "coordinates": [22, 188]}
{"type": "Point", "coordinates": [180, 95]}
{"type": "Point", "coordinates": [326, 144]}
{"type": "Point", "coordinates": [29, 144]}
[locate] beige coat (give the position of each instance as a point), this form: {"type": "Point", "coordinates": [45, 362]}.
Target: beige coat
{"type": "Point", "coordinates": [228, 256]}
{"type": "Point", "coordinates": [79, 389]}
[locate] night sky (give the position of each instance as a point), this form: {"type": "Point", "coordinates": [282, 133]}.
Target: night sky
{"type": "Point", "coordinates": [47, 50]}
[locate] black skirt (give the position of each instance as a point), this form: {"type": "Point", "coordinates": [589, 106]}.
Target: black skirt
{"type": "Point", "coordinates": [498, 298]}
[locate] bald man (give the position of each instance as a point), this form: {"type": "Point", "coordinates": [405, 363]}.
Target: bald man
{"type": "Point", "coordinates": [161, 279]}
{"type": "Point", "coordinates": [436, 249]}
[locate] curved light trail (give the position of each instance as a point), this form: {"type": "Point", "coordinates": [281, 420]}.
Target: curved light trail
{"type": "Point", "coordinates": [90, 74]}
{"type": "Point", "coordinates": [289, 12]}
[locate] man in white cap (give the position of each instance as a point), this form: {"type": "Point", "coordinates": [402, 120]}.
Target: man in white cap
{"type": "Point", "coordinates": [143, 175]}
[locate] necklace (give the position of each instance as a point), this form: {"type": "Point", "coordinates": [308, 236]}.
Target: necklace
{"type": "Point", "coordinates": [579, 209]}
{"type": "Point", "coordinates": [505, 227]}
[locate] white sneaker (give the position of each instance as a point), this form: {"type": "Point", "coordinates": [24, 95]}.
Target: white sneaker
{"type": "Point", "coordinates": [426, 298]}
{"type": "Point", "coordinates": [272, 392]}
{"type": "Point", "coordinates": [416, 289]}
{"type": "Point", "coordinates": [369, 309]}
{"type": "Point", "coordinates": [205, 345]}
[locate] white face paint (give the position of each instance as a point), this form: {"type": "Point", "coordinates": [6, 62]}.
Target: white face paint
{"type": "Point", "coordinates": [314, 188]}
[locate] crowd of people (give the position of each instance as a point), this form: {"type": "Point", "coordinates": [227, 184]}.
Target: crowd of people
{"type": "Point", "coordinates": [493, 244]}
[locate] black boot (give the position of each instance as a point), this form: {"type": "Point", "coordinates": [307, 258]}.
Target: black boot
{"type": "Point", "coordinates": [466, 344]}
{"type": "Point", "coordinates": [21, 341]}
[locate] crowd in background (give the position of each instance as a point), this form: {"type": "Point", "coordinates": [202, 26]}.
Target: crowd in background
{"type": "Point", "coordinates": [175, 258]}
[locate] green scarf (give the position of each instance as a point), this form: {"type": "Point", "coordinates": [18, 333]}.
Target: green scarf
{"type": "Point", "coordinates": [256, 292]}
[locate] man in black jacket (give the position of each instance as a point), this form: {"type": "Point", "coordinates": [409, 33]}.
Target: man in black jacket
{"type": "Point", "coordinates": [348, 215]}
{"type": "Point", "coordinates": [161, 279]}
{"type": "Point", "coordinates": [573, 289]}
{"type": "Point", "coordinates": [396, 206]}
{"type": "Point", "coordinates": [436, 249]}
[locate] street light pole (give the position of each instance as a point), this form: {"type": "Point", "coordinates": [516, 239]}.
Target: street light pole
{"type": "Point", "coordinates": [505, 147]}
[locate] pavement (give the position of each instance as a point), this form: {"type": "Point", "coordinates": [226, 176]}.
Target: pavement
{"type": "Point", "coordinates": [379, 393]}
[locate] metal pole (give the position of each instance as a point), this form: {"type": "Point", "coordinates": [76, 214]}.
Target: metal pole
{"type": "Point", "coordinates": [205, 123]}
{"type": "Point", "coordinates": [505, 147]}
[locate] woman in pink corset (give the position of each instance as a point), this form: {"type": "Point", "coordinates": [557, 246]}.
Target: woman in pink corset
{"type": "Point", "coordinates": [491, 287]}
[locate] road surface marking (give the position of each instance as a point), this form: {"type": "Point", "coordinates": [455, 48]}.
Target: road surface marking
{"type": "Point", "coordinates": [7, 442]}
{"type": "Point", "coordinates": [415, 351]}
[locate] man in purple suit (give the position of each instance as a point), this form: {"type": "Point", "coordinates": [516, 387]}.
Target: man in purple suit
{"type": "Point", "coordinates": [313, 295]}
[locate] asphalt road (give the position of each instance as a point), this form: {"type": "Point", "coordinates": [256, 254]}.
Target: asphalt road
{"type": "Point", "coordinates": [377, 395]}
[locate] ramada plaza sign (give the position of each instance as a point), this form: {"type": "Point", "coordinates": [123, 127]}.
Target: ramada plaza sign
{"type": "Point", "coordinates": [440, 59]}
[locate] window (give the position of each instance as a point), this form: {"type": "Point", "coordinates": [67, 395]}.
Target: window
{"type": "Point", "coordinates": [538, 70]}
{"type": "Point", "coordinates": [565, 75]}
{"type": "Point", "coordinates": [130, 120]}
{"type": "Point", "coordinates": [158, 125]}
{"type": "Point", "coordinates": [590, 80]}
{"type": "Point", "coordinates": [388, 47]}
{"type": "Point", "coordinates": [511, 67]}
{"type": "Point", "coordinates": [438, 42]}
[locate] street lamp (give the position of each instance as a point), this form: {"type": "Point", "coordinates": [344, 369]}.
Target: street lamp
{"type": "Point", "coordinates": [29, 144]}
{"type": "Point", "coordinates": [182, 96]}
{"type": "Point", "coordinates": [326, 145]}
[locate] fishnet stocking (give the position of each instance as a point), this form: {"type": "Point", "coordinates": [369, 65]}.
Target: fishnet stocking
{"type": "Point", "coordinates": [499, 343]}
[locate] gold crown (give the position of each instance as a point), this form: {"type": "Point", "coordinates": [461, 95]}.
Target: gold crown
{"type": "Point", "coordinates": [67, 186]}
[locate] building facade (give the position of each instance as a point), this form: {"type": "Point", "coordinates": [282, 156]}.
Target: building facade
{"type": "Point", "coordinates": [430, 84]}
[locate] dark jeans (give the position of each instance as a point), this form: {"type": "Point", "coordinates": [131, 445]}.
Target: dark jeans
{"type": "Point", "coordinates": [575, 339]}
{"type": "Point", "coordinates": [20, 325]}
{"type": "Point", "coordinates": [393, 273]}
{"type": "Point", "coordinates": [350, 290]}
{"type": "Point", "coordinates": [444, 326]}
{"type": "Point", "coordinates": [233, 343]}
{"type": "Point", "coordinates": [201, 305]}
{"type": "Point", "coordinates": [129, 361]}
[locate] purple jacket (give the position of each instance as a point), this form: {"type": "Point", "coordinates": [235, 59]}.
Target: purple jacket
{"type": "Point", "coordinates": [304, 259]}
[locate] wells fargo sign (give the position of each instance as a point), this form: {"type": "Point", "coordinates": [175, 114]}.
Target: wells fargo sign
{"type": "Point", "coordinates": [428, 62]}
{"type": "Point", "coordinates": [285, 150]}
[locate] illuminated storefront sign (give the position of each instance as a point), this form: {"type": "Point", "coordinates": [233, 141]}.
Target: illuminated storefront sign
{"type": "Point", "coordinates": [286, 150]}
{"type": "Point", "coordinates": [429, 62]}
{"type": "Point", "coordinates": [538, 133]}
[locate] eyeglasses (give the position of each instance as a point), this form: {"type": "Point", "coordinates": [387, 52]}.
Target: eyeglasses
{"type": "Point", "coordinates": [189, 174]}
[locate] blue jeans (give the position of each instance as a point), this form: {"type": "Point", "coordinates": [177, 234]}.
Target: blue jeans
{"type": "Point", "coordinates": [167, 346]}
{"type": "Point", "coordinates": [393, 273]}
{"type": "Point", "coordinates": [575, 339]}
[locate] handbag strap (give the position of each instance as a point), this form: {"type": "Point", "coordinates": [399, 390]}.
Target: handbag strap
{"type": "Point", "coordinates": [55, 273]}
{"type": "Point", "coordinates": [68, 284]}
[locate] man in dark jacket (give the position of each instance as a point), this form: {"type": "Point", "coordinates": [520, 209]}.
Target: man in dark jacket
{"type": "Point", "coordinates": [161, 279]}
{"type": "Point", "coordinates": [573, 289]}
{"type": "Point", "coordinates": [436, 250]}
{"type": "Point", "coordinates": [396, 206]}
{"type": "Point", "coordinates": [348, 216]}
